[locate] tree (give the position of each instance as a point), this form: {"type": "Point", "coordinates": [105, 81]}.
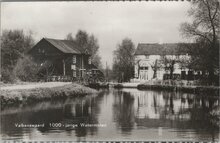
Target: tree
{"type": "Point", "coordinates": [124, 61]}
{"type": "Point", "coordinates": [185, 60]}
{"type": "Point", "coordinates": [169, 64]}
{"type": "Point", "coordinates": [82, 39]}
{"type": "Point", "coordinates": [93, 48]}
{"type": "Point", "coordinates": [204, 31]}
{"type": "Point", "coordinates": [69, 37]}
{"type": "Point", "coordinates": [155, 65]}
{"type": "Point", "coordinates": [14, 45]}
{"type": "Point", "coordinates": [89, 42]}
{"type": "Point", "coordinates": [26, 69]}
{"type": "Point", "coordinates": [46, 69]}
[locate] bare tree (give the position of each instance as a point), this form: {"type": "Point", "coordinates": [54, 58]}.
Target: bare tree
{"type": "Point", "coordinates": [204, 31]}
{"type": "Point", "coordinates": [155, 65]}
{"type": "Point", "coordinates": [168, 63]}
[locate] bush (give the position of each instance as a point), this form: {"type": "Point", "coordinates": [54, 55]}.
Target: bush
{"type": "Point", "coordinates": [8, 76]}
{"type": "Point", "coordinates": [26, 69]}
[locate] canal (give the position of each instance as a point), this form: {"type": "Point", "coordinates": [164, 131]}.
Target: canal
{"type": "Point", "coordinates": [119, 115]}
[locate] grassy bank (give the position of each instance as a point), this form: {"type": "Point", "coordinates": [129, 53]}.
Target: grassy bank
{"type": "Point", "coordinates": [209, 90]}
{"type": "Point", "coordinates": [25, 96]}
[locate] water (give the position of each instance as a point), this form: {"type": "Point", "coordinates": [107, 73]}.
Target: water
{"type": "Point", "coordinates": [127, 114]}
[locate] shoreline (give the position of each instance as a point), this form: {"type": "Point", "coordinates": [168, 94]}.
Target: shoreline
{"type": "Point", "coordinates": [208, 90]}
{"type": "Point", "coordinates": [26, 96]}
{"type": "Point", "coordinates": [211, 90]}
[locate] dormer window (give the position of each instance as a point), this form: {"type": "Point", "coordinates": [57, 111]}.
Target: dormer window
{"type": "Point", "coordinates": [74, 59]}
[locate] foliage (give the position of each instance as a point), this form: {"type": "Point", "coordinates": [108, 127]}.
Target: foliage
{"type": "Point", "coordinates": [69, 37]}
{"type": "Point", "coordinates": [169, 63]}
{"type": "Point", "coordinates": [8, 76]}
{"type": "Point", "coordinates": [156, 65]}
{"type": "Point", "coordinates": [82, 39]}
{"type": "Point", "coordinates": [89, 42]}
{"type": "Point", "coordinates": [123, 65]}
{"type": "Point", "coordinates": [26, 69]}
{"type": "Point", "coordinates": [93, 47]}
{"type": "Point", "coordinates": [46, 68]}
{"type": "Point", "coordinates": [185, 61]}
{"type": "Point", "coordinates": [14, 45]}
{"type": "Point", "coordinates": [204, 32]}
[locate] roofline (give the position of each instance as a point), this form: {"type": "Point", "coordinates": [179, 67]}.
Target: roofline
{"type": "Point", "coordinates": [81, 53]}
{"type": "Point", "coordinates": [166, 43]}
{"type": "Point", "coordinates": [53, 45]}
{"type": "Point", "coordinates": [159, 54]}
{"type": "Point", "coordinates": [51, 38]}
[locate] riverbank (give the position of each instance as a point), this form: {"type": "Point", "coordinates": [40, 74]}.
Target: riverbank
{"type": "Point", "coordinates": [209, 90]}
{"type": "Point", "coordinates": [33, 92]}
{"type": "Point", "coordinates": [126, 85]}
{"type": "Point", "coordinates": [32, 85]}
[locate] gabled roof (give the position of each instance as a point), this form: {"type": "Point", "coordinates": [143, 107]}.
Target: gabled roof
{"type": "Point", "coordinates": [66, 46]}
{"type": "Point", "coordinates": [159, 49]}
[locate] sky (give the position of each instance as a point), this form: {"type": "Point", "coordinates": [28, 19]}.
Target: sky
{"type": "Point", "coordinates": [109, 22]}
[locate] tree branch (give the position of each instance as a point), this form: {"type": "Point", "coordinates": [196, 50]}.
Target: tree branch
{"type": "Point", "coordinates": [212, 24]}
{"type": "Point", "coordinates": [216, 10]}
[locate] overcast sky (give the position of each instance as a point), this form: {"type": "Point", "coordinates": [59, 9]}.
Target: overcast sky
{"type": "Point", "coordinates": [110, 22]}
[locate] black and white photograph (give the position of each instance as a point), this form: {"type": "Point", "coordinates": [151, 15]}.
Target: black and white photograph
{"type": "Point", "coordinates": [109, 71]}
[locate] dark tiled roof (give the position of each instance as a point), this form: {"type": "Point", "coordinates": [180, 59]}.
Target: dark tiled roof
{"type": "Point", "coordinates": [159, 49]}
{"type": "Point", "coordinates": [66, 46]}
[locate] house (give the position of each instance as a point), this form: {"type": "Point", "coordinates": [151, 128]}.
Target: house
{"type": "Point", "coordinates": [62, 60]}
{"type": "Point", "coordinates": [159, 61]}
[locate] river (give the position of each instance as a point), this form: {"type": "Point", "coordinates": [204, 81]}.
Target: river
{"type": "Point", "coordinates": [115, 115]}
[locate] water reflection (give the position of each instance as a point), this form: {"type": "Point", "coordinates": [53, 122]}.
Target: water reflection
{"type": "Point", "coordinates": [179, 111]}
{"type": "Point", "coordinates": [130, 114]}
{"type": "Point", "coordinates": [123, 111]}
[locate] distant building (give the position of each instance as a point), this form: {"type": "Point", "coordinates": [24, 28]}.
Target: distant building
{"type": "Point", "coordinates": [63, 59]}
{"type": "Point", "coordinates": [151, 56]}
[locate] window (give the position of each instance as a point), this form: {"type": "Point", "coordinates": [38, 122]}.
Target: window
{"type": "Point", "coordinates": [90, 60]}
{"type": "Point", "coordinates": [74, 59]}
{"type": "Point", "coordinates": [73, 67]}
{"type": "Point", "coordinates": [74, 73]}
{"type": "Point", "coordinates": [40, 50]}
{"type": "Point", "coordinates": [143, 68]}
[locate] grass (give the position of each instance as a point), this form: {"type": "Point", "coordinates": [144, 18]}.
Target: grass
{"type": "Point", "coordinates": [25, 96]}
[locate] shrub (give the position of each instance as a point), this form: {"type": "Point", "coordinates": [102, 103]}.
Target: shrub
{"type": "Point", "coordinates": [8, 76]}
{"type": "Point", "coordinates": [26, 69]}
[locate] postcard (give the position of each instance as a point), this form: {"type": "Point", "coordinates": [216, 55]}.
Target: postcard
{"type": "Point", "coordinates": [109, 71]}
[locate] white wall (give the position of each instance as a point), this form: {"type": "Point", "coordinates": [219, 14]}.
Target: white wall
{"type": "Point", "coordinates": [148, 61]}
